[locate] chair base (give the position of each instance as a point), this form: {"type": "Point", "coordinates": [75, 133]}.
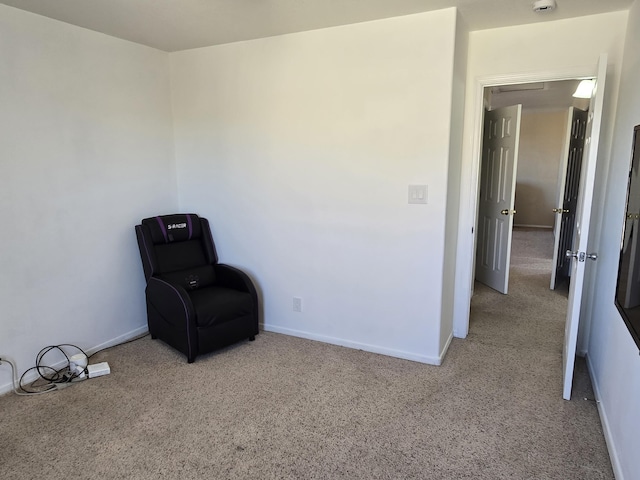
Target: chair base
{"type": "Point", "coordinates": [204, 340]}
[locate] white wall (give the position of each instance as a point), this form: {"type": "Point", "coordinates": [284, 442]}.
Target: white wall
{"type": "Point", "coordinates": [542, 138]}
{"type": "Point", "coordinates": [86, 135]}
{"type": "Point", "coordinates": [543, 49]}
{"type": "Point", "coordinates": [612, 354]}
{"type": "Point", "coordinates": [300, 149]}
{"type": "Point", "coordinates": [453, 183]}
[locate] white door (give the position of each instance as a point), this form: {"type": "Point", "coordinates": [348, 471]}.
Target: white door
{"type": "Point", "coordinates": [568, 189]}
{"type": "Point", "coordinates": [581, 233]}
{"type": "Point", "coordinates": [500, 140]}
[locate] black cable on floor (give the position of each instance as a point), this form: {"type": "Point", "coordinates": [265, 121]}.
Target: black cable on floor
{"type": "Point", "coordinates": [50, 378]}
{"type": "Point", "coordinates": [50, 375]}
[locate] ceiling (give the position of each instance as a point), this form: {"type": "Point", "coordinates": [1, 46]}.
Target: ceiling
{"type": "Point", "coordinates": [173, 25]}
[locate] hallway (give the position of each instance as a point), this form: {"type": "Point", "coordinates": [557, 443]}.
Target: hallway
{"type": "Point", "coordinates": [517, 341]}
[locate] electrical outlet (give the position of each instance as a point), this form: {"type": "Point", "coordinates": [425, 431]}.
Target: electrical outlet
{"type": "Point", "coordinates": [297, 304]}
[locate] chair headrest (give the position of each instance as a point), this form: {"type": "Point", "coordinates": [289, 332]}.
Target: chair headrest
{"type": "Point", "coordinates": [173, 228]}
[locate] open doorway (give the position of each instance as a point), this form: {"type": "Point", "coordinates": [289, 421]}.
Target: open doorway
{"type": "Point", "coordinates": [580, 247]}
{"type": "Point", "coordinates": [533, 312]}
{"type": "Point", "coordinates": [531, 171]}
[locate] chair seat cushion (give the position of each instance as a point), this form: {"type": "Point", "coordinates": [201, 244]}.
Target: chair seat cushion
{"type": "Point", "coordinates": [215, 305]}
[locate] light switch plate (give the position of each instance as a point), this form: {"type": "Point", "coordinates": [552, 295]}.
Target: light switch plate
{"type": "Point", "coordinates": [417, 194]}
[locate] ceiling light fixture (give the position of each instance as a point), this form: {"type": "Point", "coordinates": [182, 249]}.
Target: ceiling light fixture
{"type": "Point", "coordinates": [544, 6]}
{"type": "Point", "coordinates": [522, 87]}
{"type": "Point", "coordinates": [585, 89]}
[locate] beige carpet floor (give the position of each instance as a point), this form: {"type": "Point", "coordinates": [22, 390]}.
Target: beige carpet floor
{"type": "Point", "coordinates": [289, 408]}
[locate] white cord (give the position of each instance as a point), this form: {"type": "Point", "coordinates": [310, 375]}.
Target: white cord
{"type": "Point", "coordinates": [13, 380]}
{"type": "Point", "coordinates": [75, 376]}
{"type": "Point", "coordinates": [17, 391]}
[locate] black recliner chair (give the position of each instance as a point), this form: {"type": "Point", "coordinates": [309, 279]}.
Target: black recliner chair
{"type": "Point", "coordinates": [194, 303]}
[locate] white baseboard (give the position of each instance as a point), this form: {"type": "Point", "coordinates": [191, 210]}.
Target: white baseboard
{"type": "Point", "coordinates": [544, 227]}
{"type": "Point", "coordinates": [119, 339]}
{"type": "Point", "coordinates": [355, 345]}
{"type": "Point", "coordinates": [606, 427]}
{"type": "Point", "coordinates": [33, 375]}
{"type": "Point", "coordinates": [443, 352]}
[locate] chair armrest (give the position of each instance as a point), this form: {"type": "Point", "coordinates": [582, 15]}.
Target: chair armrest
{"type": "Point", "coordinates": [231, 277]}
{"type": "Point", "coordinates": [171, 299]}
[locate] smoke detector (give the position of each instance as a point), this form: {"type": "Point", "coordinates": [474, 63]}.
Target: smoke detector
{"type": "Point", "coordinates": [541, 6]}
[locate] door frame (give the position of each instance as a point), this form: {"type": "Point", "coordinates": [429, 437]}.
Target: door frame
{"type": "Point", "coordinates": [469, 196]}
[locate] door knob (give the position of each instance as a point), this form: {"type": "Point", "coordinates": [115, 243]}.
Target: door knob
{"type": "Point", "coordinates": [581, 256]}
{"type": "Point", "coordinates": [507, 212]}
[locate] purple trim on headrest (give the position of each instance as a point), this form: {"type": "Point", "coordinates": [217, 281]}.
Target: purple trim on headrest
{"type": "Point", "coordinates": [164, 231]}
{"type": "Point", "coordinates": [146, 249]}
{"type": "Point", "coordinates": [190, 226]}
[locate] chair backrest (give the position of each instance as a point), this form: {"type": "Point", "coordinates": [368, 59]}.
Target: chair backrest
{"type": "Point", "coordinates": [178, 248]}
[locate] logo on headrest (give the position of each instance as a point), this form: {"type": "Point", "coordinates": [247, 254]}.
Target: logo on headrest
{"type": "Point", "coordinates": [172, 226]}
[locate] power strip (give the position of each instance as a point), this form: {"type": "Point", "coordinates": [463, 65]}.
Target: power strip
{"type": "Point", "coordinates": [98, 369]}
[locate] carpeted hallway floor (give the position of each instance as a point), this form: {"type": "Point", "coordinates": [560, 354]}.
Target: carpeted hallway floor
{"type": "Point", "coordinates": [289, 408]}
